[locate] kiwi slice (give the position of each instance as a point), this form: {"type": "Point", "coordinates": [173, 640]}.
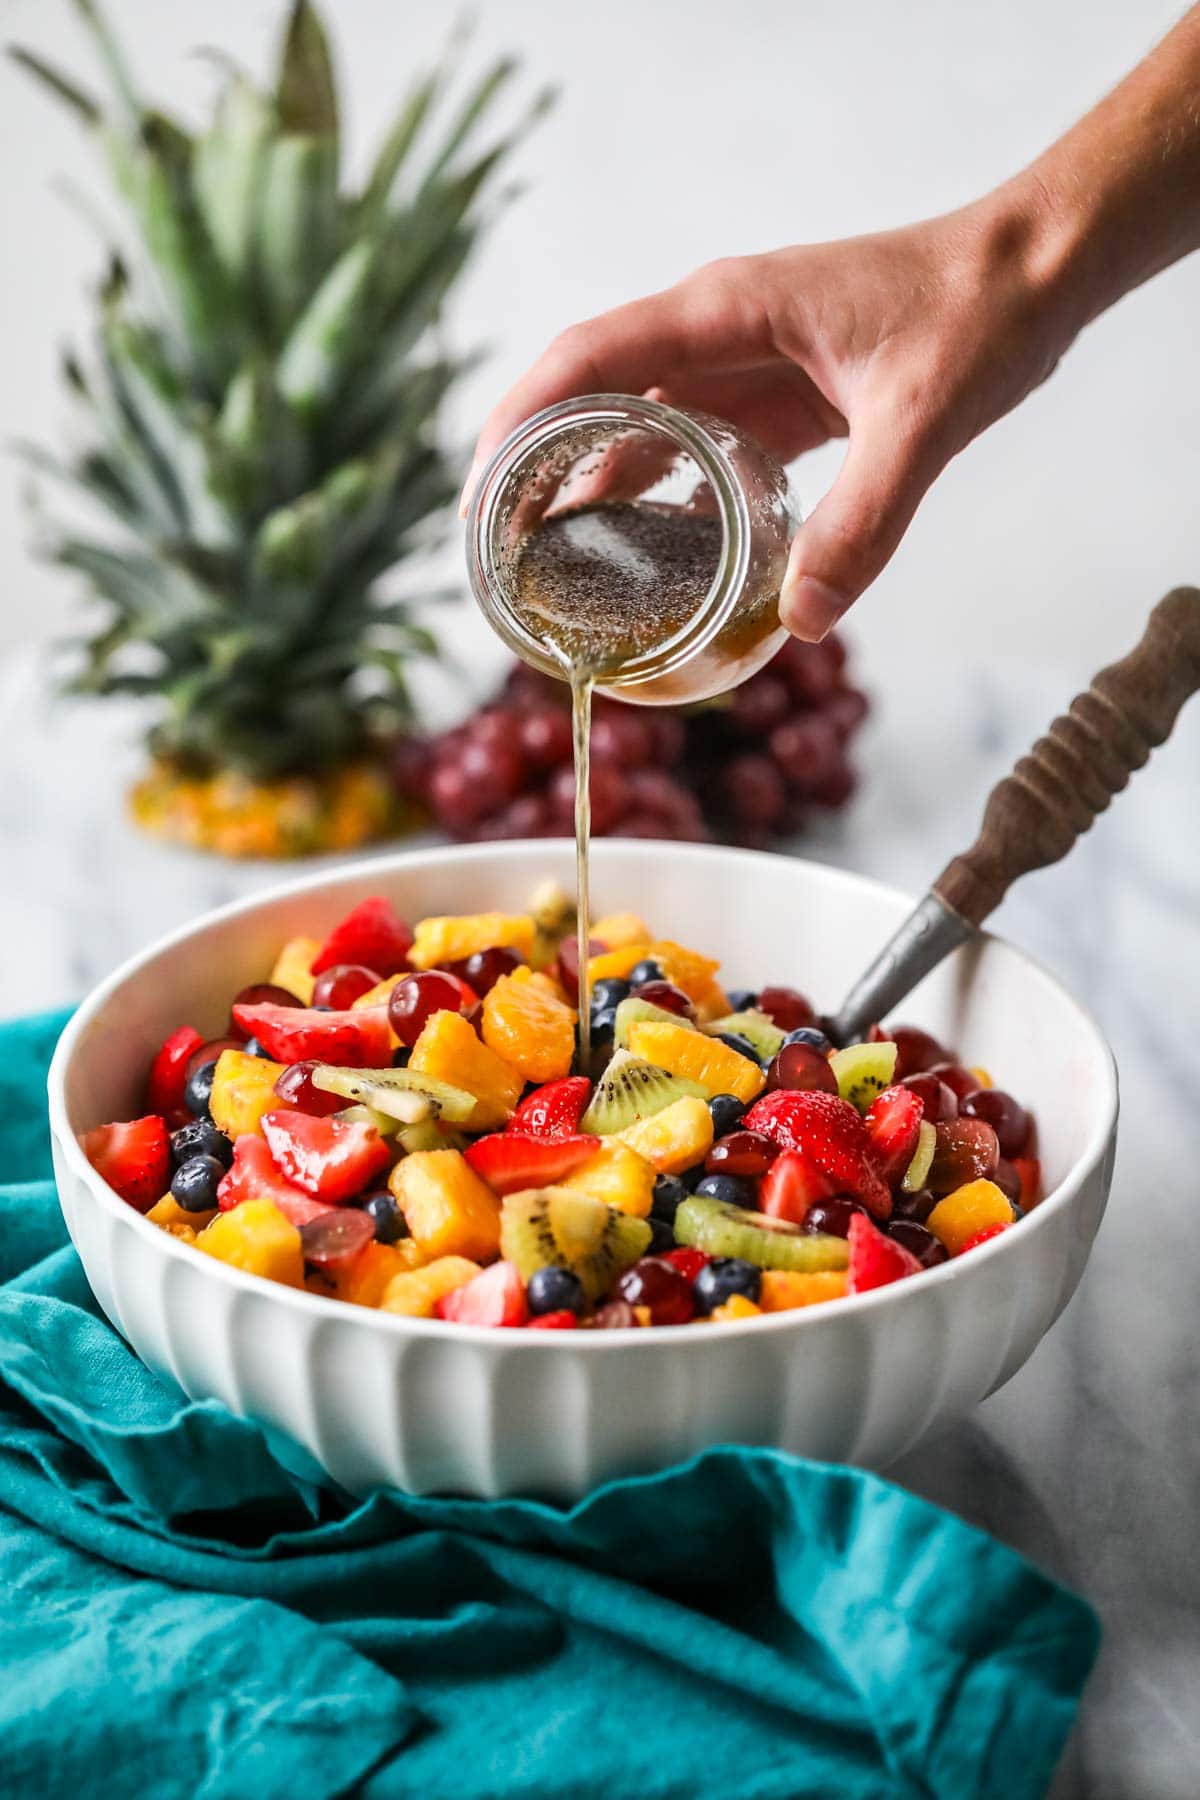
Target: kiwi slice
{"type": "Point", "coordinates": [367, 1115]}
{"type": "Point", "coordinates": [426, 1134]}
{"type": "Point", "coordinates": [922, 1158]}
{"type": "Point", "coordinates": [631, 1089]}
{"type": "Point", "coordinates": [633, 1011]}
{"type": "Point", "coordinates": [724, 1230]}
{"type": "Point", "coordinates": [402, 1093]}
{"type": "Point", "coordinates": [863, 1071]}
{"type": "Point", "coordinates": [559, 1228]}
{"type": "Point", "coordinates": [755, 1027]}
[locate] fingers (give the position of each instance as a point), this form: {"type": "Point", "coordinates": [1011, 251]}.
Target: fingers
{"type": "Point", "coordinates": [854, 531]}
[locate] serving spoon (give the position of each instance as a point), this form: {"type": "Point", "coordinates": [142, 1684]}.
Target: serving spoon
{"type": "Point", "coordinates": [1035, 814]}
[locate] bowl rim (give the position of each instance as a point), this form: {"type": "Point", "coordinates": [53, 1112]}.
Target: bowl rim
{"type": "Point", "coordinates": [529, 850]}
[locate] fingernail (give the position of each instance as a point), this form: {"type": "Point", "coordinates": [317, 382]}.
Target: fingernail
{"type": "Point", "coordinates": [809, 608]}
{"type": "Point", "coordinates": [464, 499]}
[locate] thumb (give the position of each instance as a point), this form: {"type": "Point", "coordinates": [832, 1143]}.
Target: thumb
{"type": "Point", "coordinates": [852, 534]}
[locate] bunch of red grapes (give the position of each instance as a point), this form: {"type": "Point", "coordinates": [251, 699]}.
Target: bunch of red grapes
{"type": "Point", "coordinates": [746, 768]}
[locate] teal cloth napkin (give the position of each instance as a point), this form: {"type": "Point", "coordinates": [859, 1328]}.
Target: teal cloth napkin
{"type": "Point", "coordinates": [180, 1617]}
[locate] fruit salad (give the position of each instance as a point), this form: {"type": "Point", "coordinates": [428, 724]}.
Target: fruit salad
{"type": "Point", "coordinates": [395, 1118]}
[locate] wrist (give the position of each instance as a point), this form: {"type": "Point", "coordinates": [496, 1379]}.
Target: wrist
{"type": "Point", "coordinates": [1038, 241]}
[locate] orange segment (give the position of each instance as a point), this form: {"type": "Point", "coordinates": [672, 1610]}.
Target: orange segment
{"type": "Point", "coordinates": [675, 1139]}
{"type": "Point", "coordinates": [681, 1051]}
{"type": "Point", "coordinates": [736, 1307]}
{"type": "Point", "coordinates": [967, 1210]}
{"type": "Point", "coordinates": [293, 967]}
{"type": "Point", "coordinates": [785, 1289]}
{"type": "Point", "coordinates": [526, 1024]}
{"type": "Point", "coordinates": [363, 1280]}
{"type": "Point", "coordinates": [447, 1208]}
{"type": "Point", "coordinates": [448, 938]}
{"type": "Point", "coordinates": [618, 1176]}
{"type": "Point", "coordinates": [615, 965]}
{"type": "Point", "coordinates": [449, 1050]}
{"type": "Point", "coordinates": [616, 931]}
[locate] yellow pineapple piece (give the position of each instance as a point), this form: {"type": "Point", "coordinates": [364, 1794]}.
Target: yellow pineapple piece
{"type": "Point", "coordinates": [982, 1077]}
{"type": "Point", "coordinates": [616, 931]}
{"type": "Point", "coordinates": [528, 1027]}
{"type": "Point", "coordinates": [736, 1307]}
{"type": "Point", "coordinates": [617, 1175]}
{"type": "Point", "coordinates": [363, 1280]}
{"type": "Point", "coordinates": [682, 1051]}
{"type": "Point", "coordinates": [675, 1139]}
{"type": "Point", "coordinates": [449, 938]}
{"type": "Point", "coordinates": [447, 1208]}
{"type": "Point", "coordinates": [243, 1090]}
{"type": "Point", "coordinates": [168, 1213]}
{"type": "Point", "coordinates": [293, 967]}
{"type": "Point", "coordinates": [615, 965]}
{"type": "Point", "coordinates": [185, 1233]}
{"type": "Point", "coordinates": [417, 1292]}
{"type": "Point", "coordinates": [256, 1237]}
{"type": "Point", "coordinates": [785, 1289]}
{"type": "Point", "coordinates": [449, 1050]}
{"type": "Point", "coordinates": [381, 993]}
{"type": "Point", "coordinates": [967, 1210]}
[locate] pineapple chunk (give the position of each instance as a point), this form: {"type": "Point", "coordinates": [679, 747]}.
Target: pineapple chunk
{"type": "Point", "coordinates": [616, 931]}
{"type": "Point", "coordinates": [168, 1213]}
{"type": "Point", "coordinates": [674, 1139]}
{"type": "Point", "coordinates": [243, 1090]}
{"type": "Point", "coordinates": [785, 1289]}
{"type": "Point", "coordinates": [417, 1292]}
{"type": "Point", "coordinates": [682, 1051]}
{"type": "Point", "coordinates": [447, 1208]}
{"type": "Point", "coordinates": [450, 938]}
{"type": "Point", "coordinates": [967, 1210]}
{"type": "Point", "coordinates": [256, 1237]}
{"type": "Point", "coordinates": [736, 1307]}
{"type": "Point", "coordinates": [449, 1050]}
{"type": "Point", "coordinates": [618, 1176]}
{"type": "Point", "coordinates": [293, 967]}
{"type": "Point", "coordinates": [529, 1027]}
{"type": "Point", "coordinates": [363, 1280]}
{"type": "Point", "coordinates": [381, 993]}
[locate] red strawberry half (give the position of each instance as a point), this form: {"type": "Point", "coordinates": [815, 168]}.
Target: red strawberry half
{"type": "Point", "coordinates": [1029, 1173]}
{"type": "Point", "coordinates": [555, 1321]}
{"type": "Point", "coordinates": [359, 1039]}
{"type": "Point", "coordinates": [876, 1260]}
{"type": "Point", "coordinates": [554, 1109]}
{"type": "Point", "coordinates": [893, 1122]}
{"type": "Point", "coordinates": [831, 1134]}
{"type": "Point", "coordinates": [791, 1185]}
{"type": "Point", "coordinates": [497, 1297]}
{"type": "Point", "coordinates": [134, 1158]}
{"type": "Point", "coordinates": [253, 1176]}
{"type": "Point", "coordinates": [373, 934]}
{"type": "Point", "coordinates": [168, 1072]}
{"type": "Point", "coordinates": [985, 1236]}
{"type": "Point", "coordinates": [511, 1160]}
{"type": "Point", "coordinates": [331, 1158]}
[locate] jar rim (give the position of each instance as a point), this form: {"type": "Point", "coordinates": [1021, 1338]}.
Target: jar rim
{"type": "Point", "coordinates": [690, 432]}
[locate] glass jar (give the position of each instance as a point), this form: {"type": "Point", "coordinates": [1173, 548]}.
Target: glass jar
{"type": "Point", "coordinates": [601, 448]}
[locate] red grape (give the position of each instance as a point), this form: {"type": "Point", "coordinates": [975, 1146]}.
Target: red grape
{"type": "Point", "coordinates": [668, 996]}
{"type": "Point", "coordinates": [412, 765]}
{"type": "Point", "coordinates": [754, 790]}
{"type": "Point", "coordinates": [339, 987]}
{"type": "Point", "coordinates": [657, 1284]}
{"type": "Point", "coordinates": [810, 670]}
{"type": "Point", "coordinates": [846, 710]}
{"type": "Point", "coordinates": [1007, 1118]}
{"type": "Point", "coordinates": [545, 737]}
{"type": "Point", "coordinates": [801, 1067]}
{"type": "Point", "coordinates": [491, 727]}
{"type": "Point", "coordinates": [209, 1052]}
{"type": "Point", "coordinates": [607, 790]}
{"type": "Point", "coordinates": [653, 791]}
{"type": "Point", "coordinates": [492, 764]}
{"type": "Point", "coordinates": [335, 1236]}
{"type": "Point", "coordinates": [786, 1008]}
{"type": "Point", "coordinates": [528, 816]}
{"type": "Point", "coordinates": [746, 1153]}
{"type": "Point", "coordinates": [568, 963]}
{"type": "Point", "coordinates": [417, 997]}
{"type": "Point", "coordinates": [260, 993]}
{"type": "Point", "coordinates": [1008, 1180]}
{"type": "Point", "coordinates": [483, 969]}
{"type": "Point", "coordinates": [835, 788]}
{"type": "Point", "coordinates": [915, 1050]}
{"type": "Point", "coordinates": [966, 1151]}
{"type": "Point", "coordinates": [761, 703]}
{"type": "Point", "coordinates": [807, 750]}
{"type": "Point", "coordinates": [618, 1315]}
{"type": "Point", "coordinates": [295, 1088]}
{"type": "Point", "coordinates": [961, 1081]}
{"type": "Point", "coordinates": [939, 1101]}
{"type": "Point", "coordinates": [669, 735]}
{"type": "Point", "coordinates": [621, 735]}
{"type": "Point", "coordinates": [454, 797]}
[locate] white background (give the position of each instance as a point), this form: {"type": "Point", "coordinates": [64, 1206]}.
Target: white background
{"type": "Point", "coordinates": [689, 130]}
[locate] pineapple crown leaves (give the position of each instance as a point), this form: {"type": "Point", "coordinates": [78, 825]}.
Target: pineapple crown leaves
{"type": "Point", "coordinates": [259, 416]}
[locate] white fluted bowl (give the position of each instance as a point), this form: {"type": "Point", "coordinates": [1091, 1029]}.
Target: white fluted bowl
{"type": "Point", "coordinates": [434, 1407]}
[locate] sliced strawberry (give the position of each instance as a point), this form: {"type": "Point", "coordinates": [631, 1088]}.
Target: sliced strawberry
{"type": "Point", "coordinates": [791, 1185]}
{"type": "Point", "coordinates": [511, 1160]}
{"type": "Point", "coordinates": [133, 1156]}
{"type": "Point", "coordinates": [253, 1176]}
{"type": "Point", "coordinates": [830, 1133]}
{"type": "Point", "coordinates": [893, 1122]}
{"type": "Point", "coordinates": [168, 1072]}
{"type": "Point", "coordinates": [554, 1109]}
{"type": "Point", "coordinates": [496, 1297]}
{"type": "Point", "coordinates": [373, 934]}
{"type": "Point", "coordinates": [985, 1235]}
{"type": "Point", "coordinates": [1029, 1172]}
{"type": "Point", "coordinates": [359, 1039]}
{"type": "Point", "coordinates": [876, 1260]}
{"type": "Point", "coordinates": [689, 1262]}
{"type": "Point", "coordinates": [331, 1158]}
{"type": "Point", "coordinates": [555, 1321]}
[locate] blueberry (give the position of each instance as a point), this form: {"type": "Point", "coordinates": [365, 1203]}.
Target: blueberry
{"type": "Point", "coordinates": [662, 1236]}
{"type": "Point", "coordinates": [736, 1041]}
{"type": "Point", "coordinates": [555, 1290]}
{"type": "Point", "coordinates": [722, 1278]}
{"type": "Point", "coordinates": [195, 1182]}
{"type": "Point", "coordinates": [831, 1218]}
{"type": "Point", "coordinates": [669, 1193]}
{"type": "Point", "coordinates": [389, 1221]}
{"type": "Point", "coordinates": [691, 1178]}
{"type": "Point", "coordinates": [730, 1188]}
{"type": "Point", "coordinates": [725, 1111]}
{"type": "Point", "coordinates": [808, 1034]}
{"type": "Point", "coordinates": [609, 993]}
{"type": "Point", "coordinates": [252, 1047]}
{"type": "Point", "coordinates": [741, 999]}
{"type": "Point", "coordinates": [604, 1022]}
{"type": "Point", "coordinates": [200, 1138]}
{"type": "Point", "coordinates": [645, 971]}
{"type": "Point", "coordinates": [197, 1092]}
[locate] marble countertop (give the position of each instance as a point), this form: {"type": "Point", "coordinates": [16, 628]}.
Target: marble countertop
{"type": "Point", "coordinates": [1089, 1459]}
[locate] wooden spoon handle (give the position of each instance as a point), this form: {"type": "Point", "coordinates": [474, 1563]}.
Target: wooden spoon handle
{"type": "Point", "coordinates": [1035, 814]}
